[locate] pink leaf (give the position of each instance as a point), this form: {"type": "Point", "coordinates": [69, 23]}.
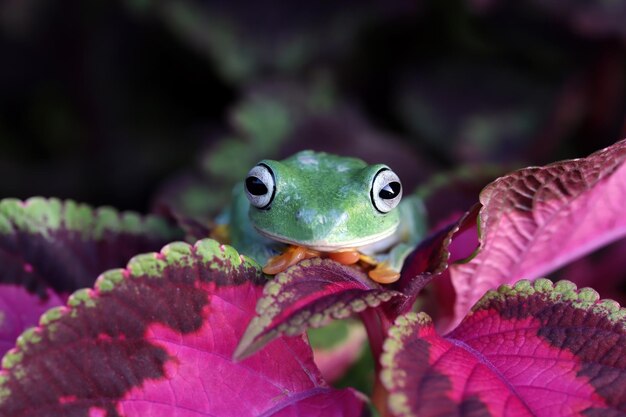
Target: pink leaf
{"type": "Point", "coordinates": [20, 310]}
{"type": "Point", "coordinates": [539, 218]}
{"type": "Point", "coordinates": [528, 350]}
{"type": "Point", "coordinates": [307, 295]}
{"type": "Point", "coordinates": [157, 339]}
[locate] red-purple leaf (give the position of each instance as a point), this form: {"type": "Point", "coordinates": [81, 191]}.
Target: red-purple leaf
{"type": "Point", "coordinates": [157, 339]}
{"type": "Point", "coordinates": [308, 295]}
{"type": "Point", "coordinates": [528, 350]}
{"type": "Point", "coordinates": [48, 243]}
{"type": "Point", "coordinates": [537, 219]}
{"type": "Point", "coordinates": [20, 310]}
{"type": "Point", "coordinates": [431, 258]}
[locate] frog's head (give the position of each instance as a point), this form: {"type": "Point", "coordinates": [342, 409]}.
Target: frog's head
{"type": "Point", "coordinates": [325, 202]}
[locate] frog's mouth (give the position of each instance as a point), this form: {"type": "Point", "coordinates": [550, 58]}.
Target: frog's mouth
{"type": "Point", "coordinates": [382, 239]}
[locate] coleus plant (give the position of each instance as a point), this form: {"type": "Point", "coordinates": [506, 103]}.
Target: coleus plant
{"type": "Point", "coordinates": [198, 330]}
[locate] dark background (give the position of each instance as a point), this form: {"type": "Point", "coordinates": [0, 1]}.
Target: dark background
{"type": "Point", "coordinates": [114, 102]}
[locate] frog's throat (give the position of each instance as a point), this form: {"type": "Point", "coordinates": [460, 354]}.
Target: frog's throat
{"type": "Point", "coordinates": [325, 246]}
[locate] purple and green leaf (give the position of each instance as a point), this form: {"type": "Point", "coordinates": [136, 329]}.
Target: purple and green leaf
{"type": "Point", "coordinates": [539, 218]}
{"type": "Point", "coordinates": [309, 294]}
{"type": "Point", "coordinates": [603, 270]}
{"type": "Point", "coordinates": [19, 310]}
{"type": "Point", "coordinates": [63, 245]}
{"type": "Point", "coordinates": [157, 339]}
{"type": "Point", "coordinates": [534, 349]}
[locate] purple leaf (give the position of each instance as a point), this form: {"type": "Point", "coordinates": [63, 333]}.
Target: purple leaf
{"type": "Point", "coordinates": [157, 339]}
{"type": "Point", "coordinates": [48, 243]}
{"type": "Point", "coordinates": [308, 295]}
{"type": "Point", "coordinates": [530, 350]}
{"type": "Point", "coordinates": [20, 310]}
{"type": "Point", "coordinates": [538, 219]}
{"type": "Point", "coordinates": [431, 259]}
{"type": "Point", "coordinates": [447, 196]}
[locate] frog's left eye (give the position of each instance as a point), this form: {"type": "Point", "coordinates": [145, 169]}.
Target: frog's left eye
{"type": "Point", "coordinates": [386, 190]}
{"type": "Point", "coordinates": [260, 186]}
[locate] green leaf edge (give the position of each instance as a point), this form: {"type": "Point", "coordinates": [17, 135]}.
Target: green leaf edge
{"type": "Point", "coordinates": [562, 291]}
{"type": "Point", "coordinates": [208, 253]}
{"type": "Point", "coordinates": [266, 310]}
{"type": "Point", "coordinates": [42, 215]}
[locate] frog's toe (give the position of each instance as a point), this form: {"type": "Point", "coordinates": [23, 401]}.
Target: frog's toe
{"type": "Point", "coordinates": [291, 256]}
{"type": "Point", "coordinates": [345, 258]}
{"type": "Point", "coordinates": [384, 274]}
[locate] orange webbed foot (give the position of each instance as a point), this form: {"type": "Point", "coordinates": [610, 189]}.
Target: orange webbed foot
{"type": "Point", "coordinates": [345, 258]}
{"type": "Point", "coordinates": [291, 256]}
{"type": "Point", "coordinates": [383, 274]}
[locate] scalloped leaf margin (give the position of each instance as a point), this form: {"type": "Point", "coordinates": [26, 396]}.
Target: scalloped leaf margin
{"type": "Point", "coordinates": [64, 245]}
{"type": "Point", "coordinates": [150, 335]}
{"type": "Point", "coordinates": [310, 294]}
{"type": "Point", "coordinates": [533, 349]}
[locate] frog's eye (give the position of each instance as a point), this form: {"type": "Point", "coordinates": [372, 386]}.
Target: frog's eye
{"type": "Point", "coordinates": [386, 190]}
{"type": "Point", "coordinates": [260, 186]}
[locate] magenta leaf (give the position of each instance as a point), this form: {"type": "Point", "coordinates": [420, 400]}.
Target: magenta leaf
{"type": "Point", "coordinates": [538, 219]}
{"type": "Point", "coordinates": [157, 339]}
{"type": "Point", "coordinates": [48, 243]}
{"type": "Point", "coordinates": [431, 259]}
{"type": "Point", "coordinates": [535, 349]}
{"type": "Point", "coordinates": [308, 295]}
{"type": "Point", "coordinates": [20, 310]}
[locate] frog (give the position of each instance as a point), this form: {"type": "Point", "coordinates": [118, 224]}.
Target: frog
{"type": "Point", "coordinates": [317, 204]}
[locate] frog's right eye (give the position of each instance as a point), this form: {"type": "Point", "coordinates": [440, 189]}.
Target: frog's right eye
{"type": "Point", "coordinates": [260, 186]}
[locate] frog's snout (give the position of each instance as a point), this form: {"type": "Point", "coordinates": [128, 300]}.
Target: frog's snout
{"type": "Point", "coordinates": [318, 225]}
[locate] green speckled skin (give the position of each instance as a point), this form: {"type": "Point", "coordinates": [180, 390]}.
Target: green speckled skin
{"type": "Point", "coordinates": [323, 200]}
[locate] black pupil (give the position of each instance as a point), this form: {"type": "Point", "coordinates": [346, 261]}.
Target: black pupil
{"type": "Point", "coordinates": [255, 186]}
{"type": "Point", "coordinates": [390, 190]}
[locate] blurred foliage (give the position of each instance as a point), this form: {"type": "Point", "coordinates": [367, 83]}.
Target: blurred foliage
{"type": "Point", "coordinates": [164, 104]}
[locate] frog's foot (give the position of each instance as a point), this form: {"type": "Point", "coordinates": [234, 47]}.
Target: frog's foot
{"type": "Point", "coordinates": [345, 258]}
{"type": "Point", "coordinates": [291, 256]}
{"type": "Point", "coordinates": [383, 273]}
{"type": "Point", "coordinates": [368, 260]}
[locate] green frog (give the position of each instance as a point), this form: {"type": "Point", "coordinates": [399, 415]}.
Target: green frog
{"type": "Point", "coordinates": [315, 204]}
